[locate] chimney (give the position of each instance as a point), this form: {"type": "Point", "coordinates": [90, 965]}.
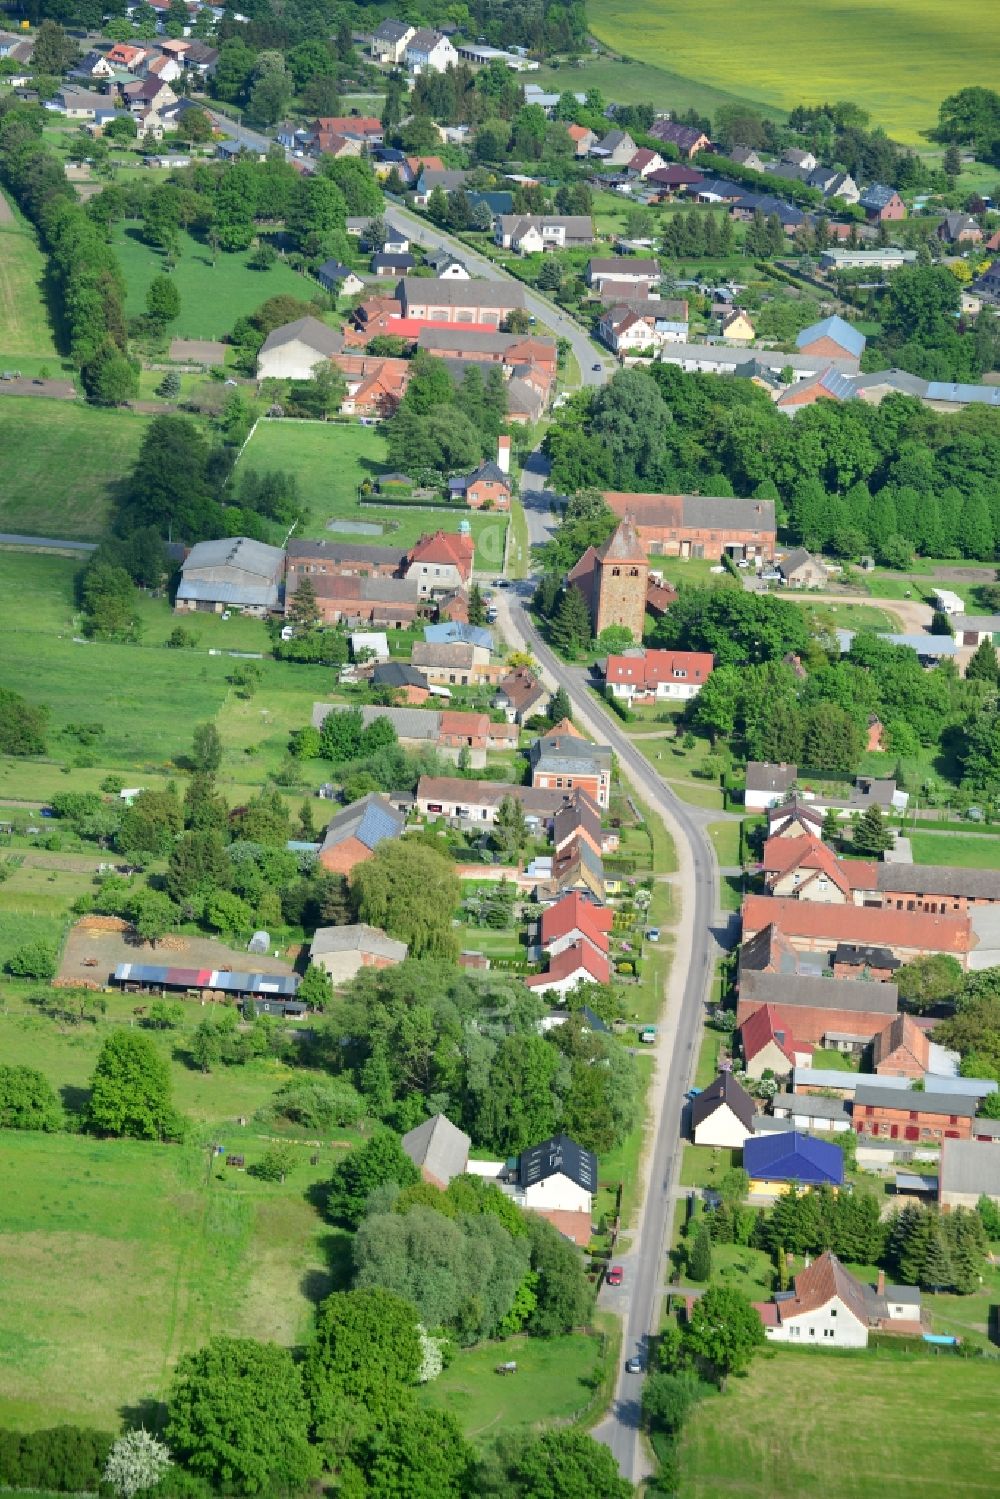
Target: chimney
{"type": "Point", "coordinates": [880, 1284]}
{"type": "Point", "coordinates": [503, 454]}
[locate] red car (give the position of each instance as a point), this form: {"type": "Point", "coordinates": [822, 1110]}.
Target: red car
{"type": "Point", "coordinates": [615, 1275]}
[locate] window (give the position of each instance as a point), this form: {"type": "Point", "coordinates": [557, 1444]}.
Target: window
{"type": "Point", "coordinates": [833, 1311]}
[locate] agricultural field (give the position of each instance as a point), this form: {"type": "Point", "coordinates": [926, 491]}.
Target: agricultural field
{"type": "Point", "coordinates": [61, 462]}
{"type": "Point", "coordinates": [851, 1426]}
{"type": "Point", "coordinates": [155, 1248]}
{"type": "Point", "coordinates": [330, 460]}
{"type": "Point", "coordinates": [789, 55]}
{"type": "Point", "coordinates": [212, 296]}
{"type": "Point", "coordinates": [25, 324]}
{"type": "Point", "coordinates": [629, 81]}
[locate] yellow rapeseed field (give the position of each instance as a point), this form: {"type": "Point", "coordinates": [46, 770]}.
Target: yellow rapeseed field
{"type": "Point", "coordinates": [896, 58]}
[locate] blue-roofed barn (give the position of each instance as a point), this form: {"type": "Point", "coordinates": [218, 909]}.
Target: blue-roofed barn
{"type": "Point", "coordinates": [832, 337]}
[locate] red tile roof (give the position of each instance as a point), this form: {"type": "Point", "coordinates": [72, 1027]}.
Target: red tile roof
{"type": "Point", "coordinates": [654, 667]}
{"type": "Point", "coordinates": [770, 1024]}
{"type": "Point", "coordinates": [784, 855]}
{"type": "Point", "coordinates": [579, 955]}
{"type": "Point", "coordinates": [444, 548]}
{"type": "Point", "coordinates": [859, 924]}
{"type": "Point", "coordinates": [575, 912]}
{"type": "Point", "coordinates": [467, 725]}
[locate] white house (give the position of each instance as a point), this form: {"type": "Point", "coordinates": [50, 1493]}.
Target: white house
{"type": "Point", "coordinates": [767, 785]}
{"type": "Point", "coordinates": [722, 1114]}
{"type": "Point", "coordinates": [627, 274]}
{"type": "Point", "coordinates": [637, 325]}
{"type": "Point", "coordinates": [557, 1176]}
{"type": "Point", "coordinates": [658, 676]}
{"type": "Point", "coordinates": [390, 41]}
{"type": "Point", "coordinates": [948, 602]}
{"type": "Point", "coordinates": [828, 1310]}
{"type": "Point", "coordinates": [429, 51]}
{"type": "Point", "coordinates": [344, 950]}
{"type": "Point", "coordinates": [579, 962]}
{"type": "Point", "coordinates": [527, 234]}
{"type": "Point", "coordinates": [293, 351]}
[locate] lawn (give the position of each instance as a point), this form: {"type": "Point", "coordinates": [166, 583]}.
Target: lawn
{"type": "Point", "coordinates": [212, 296]}
{"type": "Point", "coordinates": [832, 1060]}
{"type": "Point", "coordinates": [120, 1256]}
{"type": "Point", "coordinates": [970, 851]}
{"type": "Point", "coordinates": [135, 690]}
{"type": "Point", "coordinates": [725, 838]}
{"type": "Point", "coordinates": [847, 1426]}
{"type": "Point", "coordinates": [554, 1382]}
{"type": "Point", "coordinates": [331, 459]}
{"type": "Point", "coordinates": [788, 56]}
{"type": "Point", "coordinates": [703, 1165]}
{"type": "Point", "coordinates": [61, 462]}
{"type": "Point", "coordinates": [25, 327]}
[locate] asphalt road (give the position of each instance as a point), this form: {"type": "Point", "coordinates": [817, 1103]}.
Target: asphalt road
{"type": "Point", "coordinates": [596, 365]}
{"type": "Point", "coordinates": [699, 937]}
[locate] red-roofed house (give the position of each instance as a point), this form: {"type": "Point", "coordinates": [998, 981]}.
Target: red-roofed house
{"type": "Point", "coordinates": [901, 1050]}
{"type": "Point", "coordinates": [414, 165]}
{"type": "Point", "coordinates": [572, 919]}
{"type": "Point", "coordinates": [806, 869]}
{"type": "Point", "coordinates": [475, 731]}
{"type": "Point", "coordinates": [643, 162]}
{"type": "Point", "coordinates": [441, 562]}
{"type": "Point", "coordinates": [582, 138]}
{"type": "Point", "coordinates": [769, 1046]}
{"type": "Point", "coordinates": [365, 128]}
{"type": "Point", "coordinates": [651, 676]}
{"type": "Point", "coordinates": [375, 386]}
{"type": "Point", "coordinates": [579, 963]}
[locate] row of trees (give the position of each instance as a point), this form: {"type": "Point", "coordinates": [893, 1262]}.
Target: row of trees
{"type": "Point", "coordinates": [848, 477]}
{"type": "Point", "coordinates": [86, 276]}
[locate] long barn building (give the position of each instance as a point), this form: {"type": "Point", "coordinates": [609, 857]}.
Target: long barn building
{"type": "Point", "coordinates": [150, 978]}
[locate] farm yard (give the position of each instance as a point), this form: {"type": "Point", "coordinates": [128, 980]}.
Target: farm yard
{"type": "Point", "coordinates": [330, 460]}
{"type": "Point", "coordinates": [212, 296]}
{"type": "Point", "coordinates": [898, 59]}
{"type": "Point", "coordinates": [851, 1426]}
{"type": "Point", "coordinates": [61, 462]}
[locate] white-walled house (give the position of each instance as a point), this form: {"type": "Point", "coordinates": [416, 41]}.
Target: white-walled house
{"type": "Point", "coordinates": [722, 1114]}
{"type": "Point", "coordinates": [429, 51]}
{"type": "Point", "coordinates": [293, 351]}
{"type": "Point", "coordinates": [830, 1308]}
{"type": "Point", "coordinates": [658, 676]}
{"type": "Point", "coordinates": [557, 1176]}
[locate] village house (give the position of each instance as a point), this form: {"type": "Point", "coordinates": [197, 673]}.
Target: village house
{"type": "Point", "coordinates": [788, 816]}
{"type": "Point", "coordinates": [476, 803]}
{"type": "Point", "coordinates": [615, 149]}
{"type": "Point", "coordinates": [642, 325]}
{"type": "Point", "coordinates": [723, 1114]}
{"type": "Point", "coordinates": [338, 279]}
{"type": "Point", "coordinates": [846, 1014]}
{"type": "Point", "coordinates": [688, 139]}
{"type": "Point", "coordinates": [831, 338]}
{"type": "Point", "coordinates": [441, 562]}
{"type": "Point", "coordinates": [868, 791]}
{"type": "Point", "coordinates": [354, 834]}
{"type": "Point", "coordinates": [643, 163]}
{"type": "Point", "coordinates": [959, 229]}
{"type": "Point", "coordinates": [894, 1114]}
{"type": "Point", "coordinates": [234, 573]}
{"type": "Point", "coordinates": [582, 137]}
{"type": "Point", "coordinates": [777, 1163]}
{"type": "Point", "coordinates": [564, 761]}
{"type": "Point", "coordinates": [528, 234]}
{"type": "Point", "coordinates": [572, 919]}
{"type": "Point", "coordinates": [293, 351]}
{"type": "Point", "coordinates": [342, 951]}
{"type": "Point", "coordinates": [453, 664]}
{"type": "Point", "coordinates": [429, 51]}
{"type": "Point", "coordinates": [390, 41]}
{"type": "Point", "coordinates": [475, 731]}
{"type": "Point", "coordinates": [736, 327]}
{"type": "Point", "coordinates": [768, 1043]}
{"type": "Point", "coordinates": [326, 557]}
{"type": "Point", "coordinates": [673, 179]}
{"type": "Point", "coordinates": [406, 683]}
{"type": "Point", "coordinates": [800, 569]}
{"type": "Point", "coordinates": [830, 1308]}
{"type": "Point", "coordinates": [813, 1112]}
{"type": "Point", "coordinates": [576, 867]}
{"type": "Point", "coordinates": [375, 386]}
{"type": "Point", "coordinates": [487, 487]}
{"type": "Point", "coordinates": [623, 275]}
{"type": "Point", "coordinates": [881, 204]}
{"type": "Point", "coordinates": [648, 676]}
{"type": "Point", "coordinates": [521, 696]}
{"type": "Point", "coordinates": [477, 303]}
{"type": "Point", "coordinates": [558, 1179]}
{"type": "Point", "coordinates": [438, 1149]}
{"type": "Point", "coordinates": [389, 603]}
{"type": "Point", "coordinates": [827, 385]}
{"type": "Point", "coordinates": [579, 962]}
{"type": "Point", "coordinates": [699, 525]}
{"type": "Point", "coordinates": [805, 868]}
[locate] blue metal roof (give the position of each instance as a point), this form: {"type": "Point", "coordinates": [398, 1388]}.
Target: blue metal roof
{"type": "Point", "coordinates": [377, 824]}
{"type": "Point", "coordinates": [944, 390]}
{"type": "Point", "coordinates": [836, 328]}
{"type": "Point", "coordinates": [452, 631]}
{"type": "Point", "coordinates": [794, 1157]}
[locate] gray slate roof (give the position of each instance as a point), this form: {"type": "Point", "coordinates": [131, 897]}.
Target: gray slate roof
{"type": "Point", "coordinates": [439, 1147]}
{"type": "Point", "coordinates": [927, 1103]}
{"type": "Point", "coordinates": [359, 938]}
{"type": "Point", "coordinates": [370, 820]}
{"type": "Point", "coordinates": [558, 1156]}
{"type": "Point", "coordinates": [805, 990]}
{"type": "Point", "coordinates": [836, 328]}
{"type": "Point", "coordinates": [763, 776]}
{"type": "Point", "coordinates": [812, 1105]}
{"type": "Point", "coordinates": [308, 330]}
{"type": "Point", "coordinates": [445, 293]}
{"type": "Point", "coordinates": [409, 723]}
{"type": "Point", "coordinates": [971, 1167]}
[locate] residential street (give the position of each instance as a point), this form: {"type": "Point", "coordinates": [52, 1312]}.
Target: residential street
{"type": "Point", "coordinates": [588, 354]}
{"type": "Point", "coordinates": [699, 936]}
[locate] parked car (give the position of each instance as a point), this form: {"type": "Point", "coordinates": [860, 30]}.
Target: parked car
{"type": "Point", "coordinates": [633, 1366]}
{"type": "Point", "coordinates": [692, 1093]}
{"type": "Point", "coordinates": [615, 1275]}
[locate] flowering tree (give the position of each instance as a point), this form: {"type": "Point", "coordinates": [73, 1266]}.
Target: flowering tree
{"type": "Point", "coordinates": [136, 1462]}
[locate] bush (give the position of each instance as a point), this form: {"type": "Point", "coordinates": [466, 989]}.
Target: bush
{"type": "Point", "coordinates": [317, 1106]}
{"type": "Point", "coordinates": [66, 1459]}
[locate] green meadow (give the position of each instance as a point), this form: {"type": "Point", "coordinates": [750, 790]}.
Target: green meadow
{"type": "Point", "coordinates": [330, 461]}
{"type": "Point", "coordinates": [848, 1426]}
{"type": "Point", "coordinates": [60, 462]}
{"type": "Point", "coordinates": [25, 325]}
{"type": "Point", "coordinates": [898, 58]}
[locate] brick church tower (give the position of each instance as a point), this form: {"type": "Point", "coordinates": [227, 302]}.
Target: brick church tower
{"type": "Point", "coordinates": [621, 577]}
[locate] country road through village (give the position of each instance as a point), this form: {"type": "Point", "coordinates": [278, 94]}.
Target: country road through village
{"type": "Point", "coordinates": [699, 936]}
